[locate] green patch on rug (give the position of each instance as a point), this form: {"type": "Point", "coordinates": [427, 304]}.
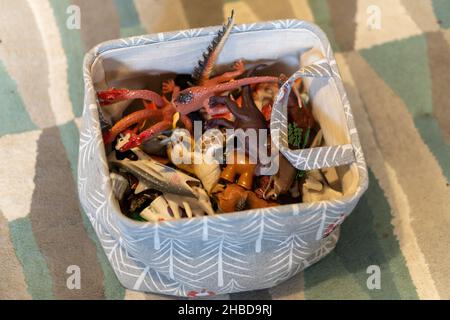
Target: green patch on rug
{"type": "Point", "coordinates": [74, 50]}
{"type": "Point", "coordinates": [70, 138]}
{"type": "Point", "coordinates": [403, 65]}
{"type": "Point", "coordinates": [37, 275]}
{"type": "Point", "coordinates": [15, 117]}
{"type": "Point", "coordinates": [322, 18]}
{"type": "Point", "coordinates": [432, 135]}
{"type": "Point", "coordinates": [113, 289]}
{"type": "Point", "coordinates": [132, 31]}
{"type": "Point", "coordinates": [442, 12]}
{"type": "Point", "coordinates": [367, 239]}
{"type": "Point", "coordinates": [130, 24]}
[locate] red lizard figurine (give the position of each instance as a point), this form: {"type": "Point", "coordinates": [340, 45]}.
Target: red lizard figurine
{"type": "Point", "coordinates": [184, 102]}
{"type": "Point", "coordinates": [114, 95]}
{"type": "Point", "coordinates": [163, 116]}
{"type": "Point", "coordinates": [201, 77]}
{"type": "Point", "coordinates": [194, 98]}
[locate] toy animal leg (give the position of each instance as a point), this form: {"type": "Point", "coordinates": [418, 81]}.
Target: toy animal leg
{"type": "Point", "coordinates": [233, 198]}
{"type": "Point", "coordinates": [154, 130]}
{"type": "Point", "coordinates": [168, 86]}
{"type": "Point", "coordinates": [246, 179]}
{"type": "Point", "coordinates": [229, 173]}
{"type": "Point", "coordinates": [129, 120]}
{"type": "Point", "coordinates": [219, 122]}
{"type": "Point", "coordinates": [136, 141]}
{"type": "Point", "coordinates": [186, 122]}
{"type": "Point", "coordinates": [214, 109]}
{"type": "Point", "coordinates": [256, 203]}
{"type": "Point", "coordinates": [230, 104]}
{"type": "Point", "coordinates": [114, 95]}
{"type": "Point", "coordinates": [239, 69]}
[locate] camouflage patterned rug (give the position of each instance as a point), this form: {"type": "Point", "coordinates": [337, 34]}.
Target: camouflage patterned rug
{"type": "Point", "coordinates": [394, 57]}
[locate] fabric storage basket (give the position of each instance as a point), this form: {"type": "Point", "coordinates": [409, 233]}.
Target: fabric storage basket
{"type": "Point", "coordinates": [234, 252]}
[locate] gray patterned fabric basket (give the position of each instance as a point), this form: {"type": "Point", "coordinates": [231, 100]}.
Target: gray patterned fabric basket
{"type": "Point", "coordinates": [225, 253]}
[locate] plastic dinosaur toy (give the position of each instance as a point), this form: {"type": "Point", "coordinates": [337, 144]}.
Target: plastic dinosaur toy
{"type": "Point", "coordinates": [246, 117]}
{"type": "Point", "coordinates": [195, 98]}
{"type": "Point", "coordinates": [239, 165]}
{"type": "Point", "coordinates": [164, 118]}
{"type": "Point", "coordinates": [201, 74]}
{"type": "Point", "coordinates": [236, 198]}
{"type": "Point", "coordinates": [184, 102]}
{"type": "Point", "coordinates": [114, 95]}
{"type": "Point", "coordinates": [298, 112]}
{"type": "Point", "coordinates": [159, 172]}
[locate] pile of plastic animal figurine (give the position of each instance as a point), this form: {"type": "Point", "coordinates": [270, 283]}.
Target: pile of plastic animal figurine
{"type": "Point", "coordinates": [151, 185]}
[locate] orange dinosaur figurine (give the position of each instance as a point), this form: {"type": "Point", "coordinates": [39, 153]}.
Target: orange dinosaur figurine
{"type": "Point", "coordinates": [236, 198]}
{"type": "Point", "coordinates": [241, 167]}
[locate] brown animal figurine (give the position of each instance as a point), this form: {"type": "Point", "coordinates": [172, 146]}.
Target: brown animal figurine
{"type": "Point", "coordinates": [246, 117]}
{"type": "Point", "coordinates": [281, 182]}
{"type": "Point", "coordinates": [242, 167]}
{"type": "Point", "coordinates": [236, 198]}
{"type": "Point", "coordinates": [298, 112]}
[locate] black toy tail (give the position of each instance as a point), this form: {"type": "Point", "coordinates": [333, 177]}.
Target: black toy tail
{"type": "Point", "coordinates": [205, 65]}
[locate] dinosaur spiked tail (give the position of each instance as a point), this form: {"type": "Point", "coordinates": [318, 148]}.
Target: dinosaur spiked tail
{"type": "Point", "coordinates": [205, 65]}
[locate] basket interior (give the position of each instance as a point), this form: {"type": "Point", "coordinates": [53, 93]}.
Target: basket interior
{"type": "Point", "coordinates": [284, 50]}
